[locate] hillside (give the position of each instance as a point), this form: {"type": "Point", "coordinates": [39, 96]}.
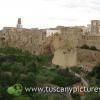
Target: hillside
{"type": "Point", "coordinates": [88, 58]}
{"type": "Point", "coordinates": [17, 67]}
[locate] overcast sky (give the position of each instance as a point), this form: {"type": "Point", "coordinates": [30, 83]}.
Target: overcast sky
{"type": "Point", "coordinates": [48, 13]}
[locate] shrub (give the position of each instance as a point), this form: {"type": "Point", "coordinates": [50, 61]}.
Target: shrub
{"type": "Point", "coordinates": [64, 78]}
{"type": "Point", "coordinates": [93, 48]}
{"type": "Point", "coordinates": [85, 46]}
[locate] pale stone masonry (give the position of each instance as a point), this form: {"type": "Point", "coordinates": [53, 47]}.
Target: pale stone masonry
{"type": "Point", "coordinates": [26, 39]}
{"type": "Point", "coordinates": [65, 44]}
{"type": "Point", "coordinates": [92, 36]}
{"type": "Point", "coordinates": [61, 41]}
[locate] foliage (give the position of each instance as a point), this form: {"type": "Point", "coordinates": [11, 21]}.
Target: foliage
{"type": "Point", "coordinates": [95, 72]}
{"type": "Point", "coordinates": [41, 96]}
{"type": "Point", "coordinates": [76, 69]}
{"type": "Point", "coordinates": [85, 46]}
{"type": "Point", "coordinates": [14, 51]}
{"type": "Point", "coordinates": [76, 96]}
{"type": "Point", "coordinates": [93, 96]}
{"type": "Point", "coordinates": [65, 78]}
{"type": "Point", "coordinates": [93, 48]}
{"type": "Point", "coordinates": [22, 98]}
{"type": "Point", "coordinates": [94, 76]}
{"type": "Point", "coordinates": [29, 70]}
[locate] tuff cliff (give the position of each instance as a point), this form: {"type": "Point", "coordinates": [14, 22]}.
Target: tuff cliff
{"type": "Point", "coordinates": [65, 53]}
{"type": "Point", "coordinates": [30, 40]}
{"type": "Point", "coordinates": [63, 46]}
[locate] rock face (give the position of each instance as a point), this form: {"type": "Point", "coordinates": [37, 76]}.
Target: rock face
{"type": "Point", "coordinates": [65, 53]}
{"type": "Point", "coordinates": [47, 46]}
{"type": "Point", "coordinates": [88, 58]}
{"type": "Point", "coordinates": [26, 39]}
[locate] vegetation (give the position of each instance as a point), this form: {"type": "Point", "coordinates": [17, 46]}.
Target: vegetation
{"type": "Point", "coordinates": [30, 70]}
{"type": "Point", "coordinates": [94, 80]}
{"type": "Point", "coordinates": [22, 98]}
{"type": "Point", "coordinates": [76, 69]}
{"type": "Point", "coordinates": [94, 76]}
{"type": "Point", "coordinates": [92, 96]}
{"type": "Point", "coordinates": [65, 78]}
{"type": "Point", "coordinates": [90, 48]}
{"type": "Point", "coordinates": [85, 46]}
{"type": "Point", "coordinates": [93, 48]}
{"type": "Point", "coordinates": [53, 96]}
{"type": "Point", "coordinates": [76, 96]}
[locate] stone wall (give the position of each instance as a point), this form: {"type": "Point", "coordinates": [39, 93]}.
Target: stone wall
{"type": "Point", "coordinates": [89, 40]}
{"type": "Point", "coordinates": [65, 53]}
{"type": "Point", "coordinates": [25, 39]}
{"type": "Point", "coordinates": [62, 45]}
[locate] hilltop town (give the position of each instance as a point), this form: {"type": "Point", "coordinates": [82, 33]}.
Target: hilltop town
{"type": "Point", "coordinates": [62, 41]}
{"type": "Point", "coordinates": [60, 56]}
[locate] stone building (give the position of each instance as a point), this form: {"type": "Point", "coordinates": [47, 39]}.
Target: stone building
{"type": "Point", "coordinates": [52, 31]}
{"type": "Point", "coordinates": [92, 36]}
{"type": "Point", "coordinates": [95, 27]}
{"type": "Point", "coordinates": [26, 39]}
{"type": "Point", "coordinates": [61, 41]}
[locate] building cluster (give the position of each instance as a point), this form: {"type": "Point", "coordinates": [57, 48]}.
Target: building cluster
{"type": "Point", "coordinates": [61, 40]}
{"type": "Point", "coordinates": [29, 40]}
{"type": "Point", "coordinates": [91, 35]}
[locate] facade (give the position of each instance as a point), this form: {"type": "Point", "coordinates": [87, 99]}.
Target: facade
{"type": "Point", "coordinates": [95, 27]}
{"type": "Point", "coordinates": [92, 36]}
{"type": "Point", "coordinates": [26, 39]}
{"type": "Point", "coordinates": [52, 31]}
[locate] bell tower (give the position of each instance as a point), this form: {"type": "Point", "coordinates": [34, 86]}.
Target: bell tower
{"type": "Point", "coordinates": [19, 25]}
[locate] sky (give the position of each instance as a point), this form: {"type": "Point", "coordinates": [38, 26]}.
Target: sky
{"type": "Point", "coordinates": [48, 13]}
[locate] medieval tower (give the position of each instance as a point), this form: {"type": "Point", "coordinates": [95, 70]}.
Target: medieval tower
{"type": "Point", "coordinates": [19, 25]}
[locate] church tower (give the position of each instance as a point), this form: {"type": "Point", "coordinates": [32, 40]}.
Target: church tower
{"type": "Point", "coordinates": [19, 25]}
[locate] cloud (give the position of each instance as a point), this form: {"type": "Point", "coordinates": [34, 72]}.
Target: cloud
{"type": "Point", "coordinates": [48, 12]}
{"type": "Point", "coordinates": [61, 18]}
{"type": "Point", "coordinates": [93, 5]}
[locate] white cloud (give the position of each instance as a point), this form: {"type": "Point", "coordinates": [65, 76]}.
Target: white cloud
{"type": "Point", "coordinates": [46, 13]}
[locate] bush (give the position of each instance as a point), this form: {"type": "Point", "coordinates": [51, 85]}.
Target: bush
{"type": "Point", "coordinates": [95, 71]}
{"type": "Point", "coordinates": [64, 78]}
{"type": "Point", "coordinates": [90, 48]}
{"type": "Point", "coordinates": [76, 96]}
{"type": "Point", "coordinates": [85, 46]}
{"type": "Point", "coordinates": [94, 75]}
{"type": "Point", "coordinates": [93, 48]}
